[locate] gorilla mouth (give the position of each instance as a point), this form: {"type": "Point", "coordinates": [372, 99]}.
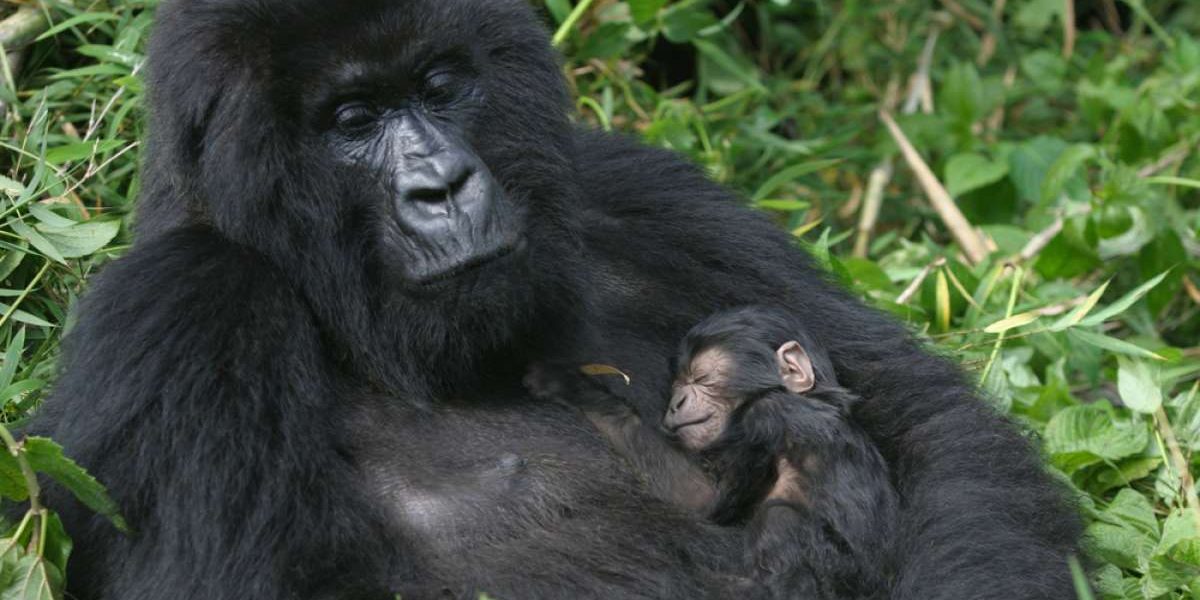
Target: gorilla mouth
{"type": "Point", "coordinates": [473, 263]}
{"type": "Point", "coordinates": [681, 426]}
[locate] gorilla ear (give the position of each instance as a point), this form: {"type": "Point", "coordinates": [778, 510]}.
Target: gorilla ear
{"type": "Point", "coordinates": [795, 368]}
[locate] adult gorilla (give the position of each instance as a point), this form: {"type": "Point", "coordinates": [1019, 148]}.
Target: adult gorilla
{"type": "Point", "coordinates": [361, 220]}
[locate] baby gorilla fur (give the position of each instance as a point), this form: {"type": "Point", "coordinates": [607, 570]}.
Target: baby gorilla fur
{"type": "Point", "coordinates": [759, 434]}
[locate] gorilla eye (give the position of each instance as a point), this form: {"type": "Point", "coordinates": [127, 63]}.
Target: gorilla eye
{"type": "Point", "coordinates": [442, 87]}
{"type": "Point", "coordinates": [355, 117]}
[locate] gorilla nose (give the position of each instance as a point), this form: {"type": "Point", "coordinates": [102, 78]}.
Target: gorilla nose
{"type": "Point", "coordinates": [434, 185]}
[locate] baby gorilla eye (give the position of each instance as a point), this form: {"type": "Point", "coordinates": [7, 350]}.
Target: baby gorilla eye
{"type": "Point", "coordinates": [355, 117]}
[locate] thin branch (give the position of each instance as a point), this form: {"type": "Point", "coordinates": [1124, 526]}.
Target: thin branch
{"type": "Point", "coordinates": [966, 236]}
{"type": "Point", "coordinates": [987, 47]}
{"type": "Point", "coordinates": [1069, 33]}
{"type": "Point", "coordinates": [1042, 239]}
{"type": "Point", "coordinates": [957, 9]}
{"type": "Point", "coordinates": [915, 285]}
{"type": "Point", "coordinates": [1179, 462]}
{"type": "Point", "coordinates": [1173, 156]}
{"type": "Point", "coordinates": [869, 217]}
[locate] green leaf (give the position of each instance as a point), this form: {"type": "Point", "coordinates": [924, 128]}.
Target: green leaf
{"type": "Point", "coordinates": [80, 19]}
{"type": "Point", "coordinates": [747, 75]}
{"type": "Point", "coordinates": [644, 11]}
{"type": "Point", "coordinates": [559, 9]}
{"type": "Point", "coordinates": [37, 241]}
{"type": "Point", "coordinates": [109, 54]}
{"type": "Point", "coordinates": [1138, 384]}
{"type": "Point", "coordinates": [12, 358]}
{"type": "Point", "coordinates": [11, 188]}
{"type": "Point", "coordinates": [789, 175]}
{"type": "Point", "coordinates": [1119, 544]}
{"type": "Point", "coordinates": [1125, 302]}
{"type": "Point", "coordinates": [1066, 166]}
{"type": "Point", "coordinates": [37, 580]}
{"type": "Point", "coordinates": [12, 482]}
{"type": "Point", "coordinates": [1073, 318]}
{"type": "Point", "coordinates": [970, 171]}
{"type": "Point", "coordinates": [1180, 537]}
{"type": "Point", "coordinates": [1111, 344]}
{"type": "Point", "coordinates": [47, 457]}
{"type": "Point", "coordinates": [783, 205]}
{"type": "Point", "coordinates": [1012, 322]}
{"type": "Point", "coordinates": [1092, 430]}
{"type": "Point", "coordinates": [80, 151]}
{"type": "Point", "coordinates": [962, 93]}
{"type": "Point", "coordinates": [57, 544]}
{"type": "Point", "coordinates": [607, 41]}
{"type": "Point", "coordinates": [81, 239]}
{"type": "Point", "coordinates": [683, 22]}
{"type": "Point", "coordinates": [1029, 163]}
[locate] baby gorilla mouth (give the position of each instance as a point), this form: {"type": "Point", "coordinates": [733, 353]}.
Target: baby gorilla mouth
{"type": "Point", "coordinates": [675, 428]}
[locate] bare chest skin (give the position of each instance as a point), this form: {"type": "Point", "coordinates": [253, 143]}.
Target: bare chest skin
{"type": "Point", "coordinates": [459, 480]}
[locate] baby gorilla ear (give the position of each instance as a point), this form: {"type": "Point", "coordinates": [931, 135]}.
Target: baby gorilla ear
{"type": "Point", "coordinates": [795, 368]}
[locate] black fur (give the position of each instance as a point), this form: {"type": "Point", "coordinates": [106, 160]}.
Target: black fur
{"type": "Point", "coordinates": [836, 542]}
{"type": "Point", "coordinates": [826, 532]}
{"type": "Point", "coordinates": [228, 377]}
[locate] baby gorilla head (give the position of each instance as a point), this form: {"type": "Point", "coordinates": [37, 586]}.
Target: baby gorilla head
{"type": "Point", "coordinates": [733, 358]}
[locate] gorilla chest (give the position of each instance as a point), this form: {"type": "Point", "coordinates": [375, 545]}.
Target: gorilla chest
{"type": "Point", "coordinates": [457, 480]}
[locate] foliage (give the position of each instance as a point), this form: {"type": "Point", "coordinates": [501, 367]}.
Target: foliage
{"type": "Point", "coordinates": [1068, 284]}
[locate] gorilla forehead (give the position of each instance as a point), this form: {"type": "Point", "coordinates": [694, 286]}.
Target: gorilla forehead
{"type": "Point", "coordinates": [231, 80]}
{"type": "Point", "coordinates": [347, 27]}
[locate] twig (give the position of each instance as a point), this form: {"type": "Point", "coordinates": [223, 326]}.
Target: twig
{"type": "Point", "coordinates": [1069, 33]}
{"type": "Point", "coordinates": [1172, 157]}
{"type": "Point", "coordinates": [987, 47]}
{"type": "Point", "coordinates": [915, 285]}
{"type": "Point", "coordinates": [1042, 239]}
{"type": "Point", "coordinates": [867, 219]}
{"type": "Point", "coordinates": [1179, 462]}
{"type": "Point", "coordinates": [962, 13]}
{"type": "Point", "coordinates": [974, 247]}
{"type": "Point", "coordinates": [920, 90]}
{"type": "Point", "coordinates": [1112, 18]}
{"type": "Point", "coordinates": [996, 121]}
{"type": "Point", "coordinates": [1192, 291]}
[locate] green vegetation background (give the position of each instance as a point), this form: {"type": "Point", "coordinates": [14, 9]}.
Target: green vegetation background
{"type": "Point", "coordinates": [1064, 131]}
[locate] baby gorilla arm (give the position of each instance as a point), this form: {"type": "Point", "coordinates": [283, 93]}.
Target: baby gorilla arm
{"type": "Point", "coordinates": [832, 509]}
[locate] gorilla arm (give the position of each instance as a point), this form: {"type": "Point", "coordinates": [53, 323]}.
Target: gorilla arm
{"type": "Point", "coordinates": [980, 518]}
{"type": "Point", "coordinates": [195, 392]}
{"type": "Point", "coordinates": [666, 471]}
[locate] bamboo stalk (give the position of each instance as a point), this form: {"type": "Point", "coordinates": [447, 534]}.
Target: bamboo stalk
{"type": "Point", "coordinates": [972, 245]}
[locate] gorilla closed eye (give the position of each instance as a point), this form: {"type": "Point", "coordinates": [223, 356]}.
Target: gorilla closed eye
{"type": "Point", "coordinates": [355, 117]}
{"type": "Point", "coordinates": [443, 87]}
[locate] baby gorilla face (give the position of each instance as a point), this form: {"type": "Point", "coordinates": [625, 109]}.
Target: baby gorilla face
{"type": "Point", "coordinates": [700, 400]}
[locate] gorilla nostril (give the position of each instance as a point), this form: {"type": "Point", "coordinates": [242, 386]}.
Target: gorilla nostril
{"type": "Point", "coordinates": [458, 177]}
{"type": "Point", "coordinates": [428, 195]}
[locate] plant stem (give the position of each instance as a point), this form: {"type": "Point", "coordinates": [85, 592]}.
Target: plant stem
{"type": "Point", "coordinates": [564, 30]}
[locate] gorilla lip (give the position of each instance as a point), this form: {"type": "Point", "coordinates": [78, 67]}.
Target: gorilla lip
{"type": "Point", "coordinates": [474, 263]}
{"type": "Point", "coordinates": [682, 426]}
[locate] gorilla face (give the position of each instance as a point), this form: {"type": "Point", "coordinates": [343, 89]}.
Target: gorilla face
{"type": "Point", "coordinates": [408, 183]}
{"type": "Point", "coordinates": [444, 214]}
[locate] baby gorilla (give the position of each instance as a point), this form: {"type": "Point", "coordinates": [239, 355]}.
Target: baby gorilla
{"type": "Point", "coordinates": [758, 433]}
